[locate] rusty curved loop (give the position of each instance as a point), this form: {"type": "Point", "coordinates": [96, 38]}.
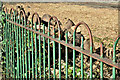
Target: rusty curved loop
{"type": "Point", "coordinates": [54, 17]}
{"type": "Point", "coordinates": [12, 9]}
{"type": "Point", "coordinates": [89, 31]}
{"type": "Point", "coordinates": [116, 41]}
{"type": "Point", "coordinates": [36, 19]}
{"type": "Point", "coordinates": [10, 12]}
{"type": "Point", "coordinates": [23, 14]}
{"type": "Point", "coordinates": [114, 46]}
{"type": "Point", "coordinates": [5, 9]}
{"type": "Point", "coordinates": [17, 9]}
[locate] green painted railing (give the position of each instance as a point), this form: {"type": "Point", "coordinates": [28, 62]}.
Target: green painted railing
{"type": "Point", "coordinates": [29, 50]}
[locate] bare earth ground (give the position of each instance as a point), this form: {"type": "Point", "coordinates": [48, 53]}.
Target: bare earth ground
{"type": "Point", "coordinates": [103, 22]}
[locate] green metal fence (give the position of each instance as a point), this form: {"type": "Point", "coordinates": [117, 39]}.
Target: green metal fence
{"type": "Point", "coordinates": [30, 57]}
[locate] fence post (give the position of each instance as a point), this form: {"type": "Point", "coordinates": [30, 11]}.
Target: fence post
{"type": "Point", "coordinates": [1, 39]}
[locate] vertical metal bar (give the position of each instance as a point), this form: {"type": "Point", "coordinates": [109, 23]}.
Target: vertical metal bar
{"type": "Point", "coordinates": [35, 53]}
{"type": "Point", "coordinates": [9, 55]}
{"type": "Point", "coordinates": [113, 72]}
{"type": "Point", "coordinates": [101, 63]}
{"type": "Point", "coordinates": [10, 47]}
{"type": "Point", "coordinates": [32, 52]}
{"type": "Point", "coordinates": [9, 28]}
{"type": "Point", "coordinates": [6, 46]}
{"type": "Point", "coordinates": [82, 45]}
{"type": "Point", "coordinates": [44, 50]}
{"type": "Point", "coordinates": [25, 50]}
{"type": "Point", "coordinates": [91, 63]}
{"type": "Point", "coordinates": [4, 38]}
{"type": "Point", "coordinates": [29, 50]}
{"type": "Point", "coordinates": [23, 47]}
{"type": "Point", "coordinates": [66, 52]}
{"type": "Point", "coordinates": [40, 53]}
{"type": "Point", "coordinates": [90, 67]}
{"type": "Point", "coordinates": [9, 44]}
{"type": "Point", "coordinates": [114, 56]}
{"type": "Point", "coordinates": [17, 50]}
{"type": "Point", "coordinates": [20, 49]}
{"type": "Point", "coordinates": [16, 46]}
{"type": "Point", "coordinates": [59, 55]}
{"type": "Point", "coordinates": [54, 54]}
{"type": "Point", "coordinates": [13, 49]}
{"type": "Point", "coordinates": [48, 51]}
{"type": "Point", "coordinates": [74, 55]}
{"type": "Point", "coordinates": [12, 52]}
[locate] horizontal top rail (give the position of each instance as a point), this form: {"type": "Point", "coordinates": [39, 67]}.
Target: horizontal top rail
{"type": "Point", "coordinates": [77, 48]}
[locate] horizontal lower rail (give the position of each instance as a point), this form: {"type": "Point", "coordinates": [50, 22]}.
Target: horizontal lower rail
{"type": "Point", "coordinates": [77, 48]}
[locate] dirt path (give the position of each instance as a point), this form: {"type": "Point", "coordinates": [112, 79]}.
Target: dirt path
{"type": "Point", "coordinates": [103, 22]}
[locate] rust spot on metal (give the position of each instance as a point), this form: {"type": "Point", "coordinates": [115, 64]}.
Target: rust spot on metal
{"type": "Point", "coordinates": [81, 75]}
{"type": "Point", "coordinates": [101, 49]}
{"type": "Point", "coordinates": [117, 37]}
{"type": "Point", "coordinates": [53, 62]}
{"type": "Point", "coordinates": [28, 22]}
{"type": "Point", "coordinates": [25, 52]}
